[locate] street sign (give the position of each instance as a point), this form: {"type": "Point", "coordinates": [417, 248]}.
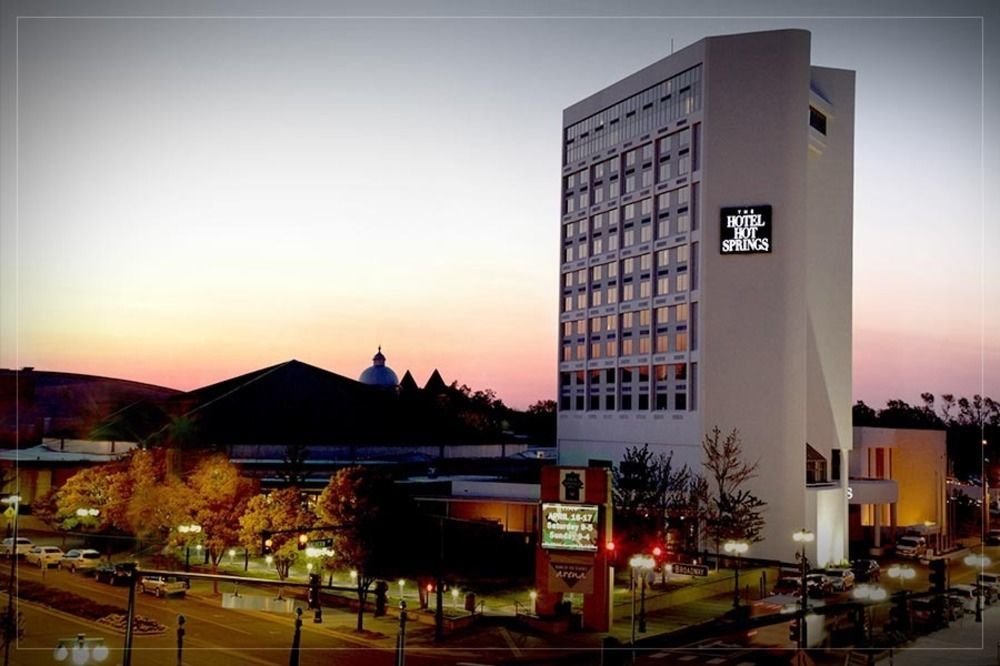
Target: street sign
{"type": "Point", "coordinates": [320, 543]}
{"type": "Point", "coordinates": [9, 512]}
{"type": "Point", "coordinates": [689, 569]}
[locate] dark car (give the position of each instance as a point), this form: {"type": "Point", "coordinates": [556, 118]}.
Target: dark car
{"type": "Point", "coordinates": [114, 574]}
{"type": "Point", "coordinates": [866, 571]}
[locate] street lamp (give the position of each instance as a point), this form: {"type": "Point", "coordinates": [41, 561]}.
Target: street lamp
{"type": "Point", "coordinates": [902, 573]}
{"type": "Point", "coordinates": [803, 537]}
{"type": "Point", "coordinates": [870, 594]}
{"type": "Point", "coordinates": [80, 650]}
{"type": "Point", "coordinates": [642, 564]}
{"type": "Point", "coordinates": [454, 597]}
{"type": "Point", "coordinates": [736, 548]}
{"type": "Point", "coordinates": [979, 561]}
{"type": "Point", "coordinates": [533, 595]}
{"type": "Point", "coordinates": [188, 530]}
{"type": "Point", "coordinates": [401, 583]}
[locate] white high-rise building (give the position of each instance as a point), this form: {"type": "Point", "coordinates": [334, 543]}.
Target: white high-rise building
{"type": "Point", "coordinates": [706, 272]}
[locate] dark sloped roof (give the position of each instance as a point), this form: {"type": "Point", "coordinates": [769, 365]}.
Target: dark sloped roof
{"type": "Point", "coordinates": [435, 384]}
{"type": "Point", "coordinates": [407, 383]}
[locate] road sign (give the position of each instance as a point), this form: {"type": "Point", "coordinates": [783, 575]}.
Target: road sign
{"type": "Point", "coordinates": [320, 543]}
{"type": "Point", "coordinates": [9, 512]}
{"type": "Point", "coordinates": [689, 569]}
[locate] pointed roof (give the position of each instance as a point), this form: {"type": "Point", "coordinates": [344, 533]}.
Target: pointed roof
{"type": "Point", "coordinates": [435, 384]}
{"type": "Point", "coordinates": [407, 383]}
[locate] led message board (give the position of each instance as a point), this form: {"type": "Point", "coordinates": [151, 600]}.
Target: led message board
{"type": "Point", "coordinates": [569, 527]}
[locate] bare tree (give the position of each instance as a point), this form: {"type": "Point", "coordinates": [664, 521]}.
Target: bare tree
{"type": "Point", "coordinates": [726, 509]}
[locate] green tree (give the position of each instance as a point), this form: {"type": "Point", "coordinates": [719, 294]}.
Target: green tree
{"type": "Point", "coordinates": [645, 488]}
{"type": "Point", "coordinates": [372, 518]}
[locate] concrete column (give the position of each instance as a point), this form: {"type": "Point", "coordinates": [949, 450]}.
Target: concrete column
{"type": "Point", "coordinates": [878, 525]}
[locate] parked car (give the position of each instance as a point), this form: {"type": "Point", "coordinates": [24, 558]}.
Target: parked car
{"type": "Point", "coordinates": [911, 546]}
{"type": "Point", "coordinates": [788, 585]}
{"type": "Point", "coordinates": [842, 579]}
{"type": "Point", "coordinates": [113, 574]}
{"type": "Point", "coordinates": [22, 548]}
{"type": "Point", "coordinates": [993, 538]}
{"type": "Point", "coordinates": [163, 586]}
{"type": "Point", "coordinates": [922, 614]}
{"type": "Point", "coordinates": [44, 556]}
{"type": "Point", "coordinates": [989, 580]}
{"type": "Point", "coordinates": [818, 585]}
{"type": "Point", "coordinates": [866, 571]}
{"type": "Point", "coordinates": [963, 597]}
{"type": "Point", "coordinates": [80, 559]}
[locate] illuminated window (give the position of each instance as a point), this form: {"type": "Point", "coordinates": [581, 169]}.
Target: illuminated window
{"type": "Point", "coordinates": [612, 241]}
{"type": "Point", "coordinates": [626, 346]}
{"type": "Point", "coordinates": [681, 342]}
{"type": "Point", "coordinates": [662, 343]}
{"type": "Point", "coordinates": [682, 282]}
{"type": "Point", "coordinates": [598, 245]}
{"type": "Point", "coordinates": [628, 266]}
{"type": "Point", "coordinates": [581, 352]}
{"type": "Point", "coordinates": [627, 319]}
{"type": "Point", "coordinates": [581, 326]}
{"type": "Point", "coordinates": [595, 350]}
{"type": "Point", "coordinates": [611, 348]}
{"type": "Point", "coordinates": [567, 303]}
{"type": "Point", "coordinates": [682, 223]}
{"type": "Point", "coordinates": [612, 295]}
{"type": "Point", "coordinates": [644, 289]}
{"type": "Point", "coordinates": [682, 254]}
{"type": "Point", "coordinates": [643, 317]}
{"type": "Point", "coordinates": [663, 285]}
{"type": "Point", "coordinates": [567, 352]}
{"type": "Point", "coordinates": [681, 312]}
{"type": "Point", "coordinates": [595, 324]}
{"type": "Point", "coordinates": [595, 272]}
{"type": "Point", "coordinates": [644, 344]}
{"type": "Point", "coordinates": [628, 292]}
{"type": "Point", "coordinates": [595, 297]}
{"type": "Point", "coordinates": [569, 254]}
{"type": "Point", "coordinates": [629, 238]}
{"type": "Point", "coordinates": [611, 322]}
{"type": "Point", "coordinates": [645, 261]}
{"type": "Point", "coordinates": [581, 300]}
{"type": "Point", "coordinates": [613, 269]}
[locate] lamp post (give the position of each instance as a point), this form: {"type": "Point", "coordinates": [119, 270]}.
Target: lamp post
{"type": "Point", "coordinates": [10, 623]}
{"type": "Point", "coordinates": [80, 650]}
{"type": "Point", "coordinates": [803, 537]}
{"type": "Point", "coordinates": [643, 564]}
{"type": "Point", "coordinates": [979, 561]}
{"type": "Point", "coordinates": [870, 594]}
{"type": "Point", "coordinates": [736, 548]}
{"type": "Point", "coordinates": [188, 530]}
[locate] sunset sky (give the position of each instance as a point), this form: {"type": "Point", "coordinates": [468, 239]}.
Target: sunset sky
{"type": "Point", "coordinates": [186, 199]}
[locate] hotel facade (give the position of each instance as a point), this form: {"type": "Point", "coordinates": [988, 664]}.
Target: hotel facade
{"type": "Point", "coordinates": [706, 236]}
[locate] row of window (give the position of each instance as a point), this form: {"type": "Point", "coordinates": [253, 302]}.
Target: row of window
{"type": "Point", "coordinates": [606, 234]}
{"type": "Point", "coordinates": [661, 343]}
{"type": "Point", "coordinates": [611, 294]}
{"type": "Point", "coordinates": [649, 110]}
{"type": "Point", "coordinates": [668, 314]}
{"type": "Point", "coordinates": [637, 387]}
{"type": "Point", "coordinates": [630, 171]}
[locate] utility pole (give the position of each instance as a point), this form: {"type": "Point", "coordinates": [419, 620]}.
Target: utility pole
{"type": "Point", "coordinates": [130, 615]}
{"type": "Point", "coordinates": [439, 610]}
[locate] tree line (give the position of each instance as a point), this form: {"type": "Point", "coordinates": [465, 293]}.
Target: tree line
{"type": "Point", "coordinates": [361, 510]}
{"type": "Point", "coordinates": [968, 422]}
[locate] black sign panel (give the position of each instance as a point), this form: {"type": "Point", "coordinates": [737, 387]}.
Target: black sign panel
{"type": "Point", "coordinates": [745, 230]}
{"type": "Point", "coordinates": [689, 569]}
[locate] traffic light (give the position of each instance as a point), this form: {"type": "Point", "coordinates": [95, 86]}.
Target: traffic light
{"type": "Point", "coordinates": [611, 550]}
{"type": "Point", "coordinates": [266, 543]}
{"type": "Point", "coordinates": [938, 576]}
{"type": "Point", "coordinates": [314, 590]}
{"type": "Point", "coordinates": [303, 540]}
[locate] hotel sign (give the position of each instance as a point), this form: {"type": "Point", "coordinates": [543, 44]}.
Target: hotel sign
{"type": "Point", "coordinates": [745, 230]}
{"type": "Point", "coordinates": [569, 527]}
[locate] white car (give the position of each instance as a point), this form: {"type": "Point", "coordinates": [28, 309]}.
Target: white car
{"type": "Point", "coordinates": [44, 556]}
{"type": "Point", "coordinates": [80, 559]}
{"type": "Point", "coordinates": [841, 579]}
{"type": "Point", "coordinates": [163, 586]}
{"type": "Point", "coordinates": [22, 548]}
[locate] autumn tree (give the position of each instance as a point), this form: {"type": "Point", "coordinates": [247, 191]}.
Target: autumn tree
{"type": "Point", "coordinates": [726, 509]}
{"type": "Point", "coordinates": [372, 518]}
{"type": "Point", "coordinates": [279, 510]}
{"type": "Point", "coordinates": [86, 502]}
{"type": "Point", "coordinates": [218, 497]}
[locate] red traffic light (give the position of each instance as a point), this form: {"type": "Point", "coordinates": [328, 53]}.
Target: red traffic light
{"type": "Point", "coordinates": [610, 546]}
{"type": "Point", "coordinates": [657, 551]}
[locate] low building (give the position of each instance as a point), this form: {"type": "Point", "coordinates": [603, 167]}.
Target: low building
{"type": "Point", "coordinates": [34, 471]}
{"type": "Point", "coordinates": [897, 483]}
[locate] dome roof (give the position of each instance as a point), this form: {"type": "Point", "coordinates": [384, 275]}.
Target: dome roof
{"type": "Point", "coordinates": [379, 374]}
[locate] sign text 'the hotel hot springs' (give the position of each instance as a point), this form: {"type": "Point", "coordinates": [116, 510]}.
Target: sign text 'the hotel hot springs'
{"type": "Point", "coordinates": [745, 230]}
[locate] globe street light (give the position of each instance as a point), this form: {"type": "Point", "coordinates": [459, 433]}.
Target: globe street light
{"type": "Point", "coordinates": [803, 537]}
{"type": "Point", "coordinates": [736, 548]}
{"type": "Point", "coordinates": [401, 583]}
{"type": "Point", "coordinates": [187, 530]}
{"type": "Point", "coordinates": [870, 594]}
{"type": "Point", "coordinates": [980, 562]}
{"type": "Point", "coordinates": [902, 573]}
{"type": "Point", "coordinates": [643, 564]}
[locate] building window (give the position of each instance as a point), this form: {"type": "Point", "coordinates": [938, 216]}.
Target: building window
{"type": "Point", "coordinates": [817, 120]}
{"type": "Point", "coordinates": [595, 298]}
{"type": "Point", "coordinates": [682, 254]}
{"type": "Point", "coordinates": [681, 342]}
{"type": "Point", "coordinates": [682, 282]}
{"type": "Point", "coordinates": [643, 402]}
{"type": "Point", "coordinates": [663, 285]}
{"type": "Point", "coordinates": [581, 300]}
{"type": "Point", "coordinates": [644, 344]}
{"type": "Point", "coordinates": [595, 350]}
{"type": "Point", "coordinates": [644, 289]}
{"type": "Point", "coordinates": [627, 292]}
{"type": "Point", "coordinates": [610, 348]}
{"type": "Point", "coordinates": [662, 343]}
{"type": "Point", "coordinates": [568, 254]}
{"type": "Point", "coordinates": [626, 347]}
{"type": "Point", "coordinates": [680, 402]}
{"type": "Point", "coordinates": [567, 304]}
{"type": "Point", "coordinates": [680, 312]}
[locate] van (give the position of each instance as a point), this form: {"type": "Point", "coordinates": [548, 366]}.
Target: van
{"type": "Point", "coordinates": [990, 580]}
{"type": "Point", "coordinates": [911, 546]}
